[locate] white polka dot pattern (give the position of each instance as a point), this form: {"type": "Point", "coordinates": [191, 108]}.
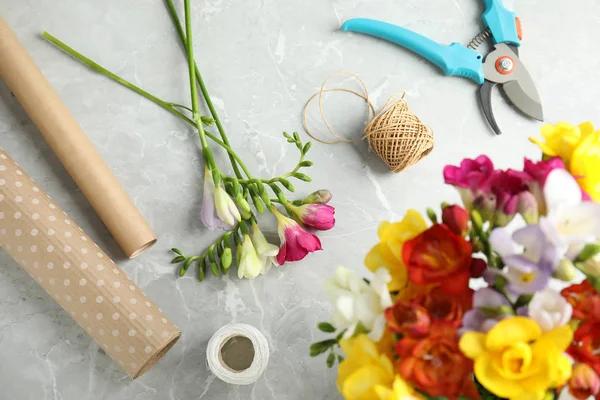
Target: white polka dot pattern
{"type": "Point", "coordinates": [78, 275]}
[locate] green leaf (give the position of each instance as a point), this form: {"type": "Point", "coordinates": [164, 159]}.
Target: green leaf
{"type": "Point", "coordinates": [523, 300]}
{"type": "Point", "coordinates": [588, 252]}
{"type": "Point", "coordinates": [321, 347]}
{"type": "Point", "coordinates": [340, 358]}
{"type": "Point", "coordinates": [174, 250]}
{"type": "Point", "coordinates": [326, 327]}
{"type": "Point", "coordinates": [330, 360]}
{"type": "Point", "coordinates": [307, 147]}
{"type": "Point", "coordinates": [340, 335]}
{"type": "Point", "coordinates": [177, 259]}
{"type": "Point", "coordinates": [302, 177]}
{"type": "Point", "coordinates": [287, 184]}
{"type": "Point", "coordinates": [306, 163]}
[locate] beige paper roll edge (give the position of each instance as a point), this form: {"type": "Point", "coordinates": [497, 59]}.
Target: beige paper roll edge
{"type": "Point", "coordinates": [72, 146]}
{"type": "Point", "coordinates": [79, 276]}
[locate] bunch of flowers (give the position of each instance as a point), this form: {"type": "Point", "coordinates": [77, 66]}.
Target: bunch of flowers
{"type": "Point", "coordinates": [417, 330]}
{"type": "Point", "coordinates": [226, 199]}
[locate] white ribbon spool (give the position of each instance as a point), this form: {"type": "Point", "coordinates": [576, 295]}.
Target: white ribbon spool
{"type": "Point", "coordinates": [238, 354]}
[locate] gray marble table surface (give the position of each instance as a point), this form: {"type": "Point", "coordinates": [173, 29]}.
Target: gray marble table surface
{"type": "Point", "coordinates": [261, 60]}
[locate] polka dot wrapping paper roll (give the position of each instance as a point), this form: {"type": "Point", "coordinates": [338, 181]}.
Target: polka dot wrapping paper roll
{"type": "Point", "coordinates": [79, 275]}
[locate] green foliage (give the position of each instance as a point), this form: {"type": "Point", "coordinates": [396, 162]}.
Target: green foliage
{"type": "Point", "coordinates": [326, 327]}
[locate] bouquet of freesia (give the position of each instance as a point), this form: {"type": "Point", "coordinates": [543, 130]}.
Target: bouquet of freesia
{"type": "Point", "coordinates": [227, 198]}
{"type": "Point", "coordinates": [417, 330]}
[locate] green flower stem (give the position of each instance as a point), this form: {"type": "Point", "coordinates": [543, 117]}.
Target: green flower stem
{"type": "Point", "coordinates": [170, 107]}
{"type": "Point", "coordinates": [207, 99]}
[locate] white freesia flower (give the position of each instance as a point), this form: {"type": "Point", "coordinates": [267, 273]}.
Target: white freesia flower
{"type": "Point", "coordinates": [227, 211]}
{"type": "Point", "coordinates": [357, 302]}
{"type": "Point", "coordinates": [266, 251]}
{"type": "Point", "coordinates": [570, 223]}
{"type": "Point", "coordinates": [550, 310]}
{"type": "Point", "coordinates": [249, 265]}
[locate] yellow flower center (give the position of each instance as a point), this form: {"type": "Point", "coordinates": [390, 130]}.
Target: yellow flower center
{"type": "Point", "coordinates": [515, 360]}
{"type": "Point", "coordinates": [527, 277]}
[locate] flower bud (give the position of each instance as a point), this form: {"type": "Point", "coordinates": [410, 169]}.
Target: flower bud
{"type": "Point", "coordinates": [478, 267]}
{"type": "Point", "coordinates": [320, 196]}
{"type": "Point", "coordinates": [565, 271]}
{"type": "Point", "coordinates": [584, 382]}
{"type": "Point", "coordinates": [456, 218]}
{"type": "Point", "coordinates": [243, 206]}
{"type": "Point", "coordinates": [226, 259]}
{"type": "Point", "coordinates": [528, 207]}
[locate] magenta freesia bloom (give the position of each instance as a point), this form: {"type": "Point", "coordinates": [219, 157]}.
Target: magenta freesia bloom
{"type": "Point", "coordinates": [296, 243]}
{"type": "Point", "coordinates": [471, 178]}
{"type": "Point", "coordinates": [317, 216]}
{"type": "Point", "coordinates": [507, 186]}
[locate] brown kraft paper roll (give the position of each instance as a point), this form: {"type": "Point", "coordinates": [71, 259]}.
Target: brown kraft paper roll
{"type": "Point", "coordinates": [72, 146]}
{"type": "Point", "coordinates": [80, 276]}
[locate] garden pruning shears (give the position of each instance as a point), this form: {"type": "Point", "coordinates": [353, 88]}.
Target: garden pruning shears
{"type": "Point", "coordinates": [501, 66]}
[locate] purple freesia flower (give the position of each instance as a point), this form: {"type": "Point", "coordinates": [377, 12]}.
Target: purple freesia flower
{"type": "Point", "coordinates": [488, 307]}
{"type": "Point", "coordinates": [529, 258]}
{"type": "Point", "coordinates": [208, 212]}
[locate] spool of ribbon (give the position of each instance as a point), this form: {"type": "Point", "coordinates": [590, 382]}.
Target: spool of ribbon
{"type": "Point", "coordinates": [238, 354]}
{"type": "Point", "coordinates": [395, 133]}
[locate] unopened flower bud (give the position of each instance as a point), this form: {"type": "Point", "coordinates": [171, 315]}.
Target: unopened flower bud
{"type": "Point", "coordinates": [456, 218]}
{"type": "Point", "coordinates": [528, 207]}
{"type": "Point", "coordinates": [565, 271]}
{"type": "Point", "coordinates": [584, 382]}
{"type": "Point", "coordinates": [320, 196]}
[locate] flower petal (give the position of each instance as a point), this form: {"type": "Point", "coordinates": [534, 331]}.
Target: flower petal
{"type": "Point", "coordinates": [561, 337]}
{"type": "Point", "coordinates": [511, 330]}
{"type": "Point", "coordinates": [472, 344]}
{"type": "Point", "coordinates": [503, 243]}
{"type": "Point", "coordinates": [561, 189]}
{"type": "Point", "coordinates": [491, 379]}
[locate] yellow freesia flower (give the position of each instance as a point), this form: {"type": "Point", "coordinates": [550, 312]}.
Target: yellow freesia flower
{"type": "Point", "coordinates": [363, 370]}
{"type": "Point", "coordinates": [585, 165]}
{"type": "Point", "coordinates": [515, 360]}
{"type": "Point", "coordinates": [388, 253]}
{"type": "Point", "coordinates": [400, 391]}
{"type": "Point", "coordinates": [562, 139]}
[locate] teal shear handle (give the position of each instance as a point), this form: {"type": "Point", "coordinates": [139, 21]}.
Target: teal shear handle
{"type": "Point", "coordinates": [502, 23]}
{"type": "Point", "coordinates": [454, 59]}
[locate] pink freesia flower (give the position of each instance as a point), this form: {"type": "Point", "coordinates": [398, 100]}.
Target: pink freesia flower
{"type": "Point", "coordinates": [317, 216]}
{"type": "Point", "coordinates": [296, 243]}
{"type": "Point", "coordinates": [472, 180]}
{"type": "Point", "coordinates": [507, 186]}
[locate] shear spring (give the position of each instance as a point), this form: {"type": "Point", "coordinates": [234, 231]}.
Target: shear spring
{"type": "Point", "coordinates": [479, 39]}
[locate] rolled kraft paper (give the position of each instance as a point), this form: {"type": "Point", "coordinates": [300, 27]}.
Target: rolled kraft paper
{"type": "Point", "coordinates": [72, 146]}
{"type": "Point", "coordinates": [79, 276]}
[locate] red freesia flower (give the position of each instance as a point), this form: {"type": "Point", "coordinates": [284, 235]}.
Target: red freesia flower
{"type": "Point", "coordinates": [444, 308]}
{"type": "Point", "coordinates": [584, 299]}
{"type": "Point", "coordinates": [586, 344]}
{"type": "Point", "coordinates": [296, 243]}
{"type": "Point", "coordinates": [408, 318]}
{"type": "Point", "coordinates": [439, 256]}
{"type": "Point", "coordinates": [456, 218]}
{"type": "Point", "coordinates": [436, 365]}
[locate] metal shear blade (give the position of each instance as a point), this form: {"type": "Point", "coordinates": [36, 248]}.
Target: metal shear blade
{"type": "Point", "coordinates": [504, 68]}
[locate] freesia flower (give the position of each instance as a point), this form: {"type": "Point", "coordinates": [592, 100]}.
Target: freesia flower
{"type": "Point", "coordinates": [508, 187]}
{"type": "Point", "coordinates": [388, 252]}
{"type": "Point", "coordinates": [562, 139]}
{"type": "Point", "coordinates": [539, 171]}
{"type": "Point", "coordinates": [489, 307]}
{"type": "Point", "coordinates": [399, 391]}
{"type": "Point", "coordinates": [585, 165]}
{"type": "Point", "coordinates": [586, 344]}
{"type": "Point", "coordinates": [570, 223]}
{"type": "Point", "coordinates": [227, 211]}
{"type": "Point", "coordinates": [584, 299]}
{"type": "Point", "coordinates": [516, 360]}
{"type": "Point", "coordinates": [446, 309]}
{"type": "Point", "coordinates": [584, 382]}
{"type": "Point", "coordinates": [406, 318]}
{"type": "Point", "coordinates": [439, 256]}
{"type": "Point", "coordinates": [357, 302]}
{"type": "Point", "coordinates": [529, 258]}
{"type": "Point", "coordinates": [317, 216]}
{"type": "Point", "coordinates": [472, 180]}
{"type": "Point", "coordinates": [364, 369]}
{"type": "Point", "coordinates": [266, 251]}
{"type": "Point", "coordinates": [296, 243]}
{"type": "Point", "coordinates": [436, 365]}
{"type": "Point", "coordinates": [550, 310]}
{"type": "Point", "coordinates": [209, 212]}
{"type": "Point", "coordinates": [249, 266]}
{"type": "Point", "coordinates": [456, 218]}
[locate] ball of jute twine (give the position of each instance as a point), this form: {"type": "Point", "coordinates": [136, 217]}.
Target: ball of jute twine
{"type": "Point", "coordinates": [395, 133]}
